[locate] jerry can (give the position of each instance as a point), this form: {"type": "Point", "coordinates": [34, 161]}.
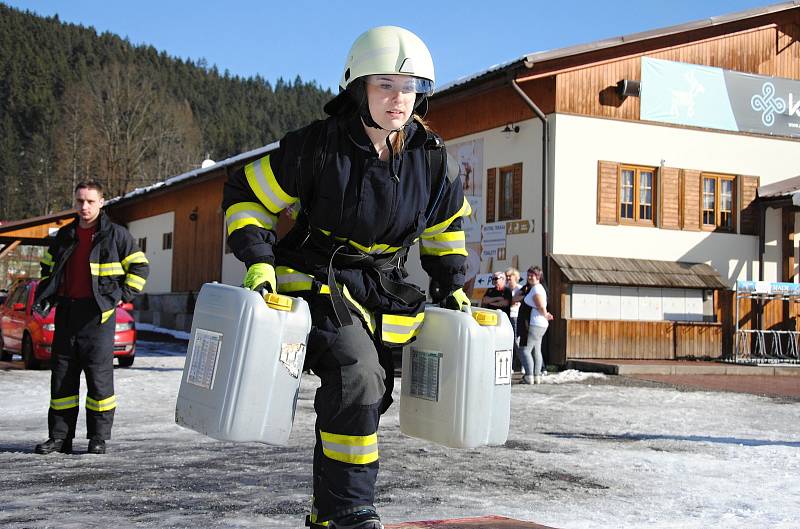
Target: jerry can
{"type": "Point", "coordinates": [241, 378]}
{"type": "Point", "coordinates": [456, 381]}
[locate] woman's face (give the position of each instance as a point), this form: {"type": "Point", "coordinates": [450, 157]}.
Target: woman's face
{"type": "Point", "coordinates": [390, 101]}
{"type": "Point", "coordinates": [532, 279]}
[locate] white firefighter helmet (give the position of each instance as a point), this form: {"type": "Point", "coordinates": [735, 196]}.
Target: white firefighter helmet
{"type": "Point", "coordinates": [389, 50]}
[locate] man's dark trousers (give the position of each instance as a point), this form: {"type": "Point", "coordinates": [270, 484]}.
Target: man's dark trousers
{"type": "Point", "coordinates": [82, 344]}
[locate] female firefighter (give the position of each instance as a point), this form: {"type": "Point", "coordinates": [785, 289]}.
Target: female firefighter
{"type": "Point", "coordinates": [366, 183]}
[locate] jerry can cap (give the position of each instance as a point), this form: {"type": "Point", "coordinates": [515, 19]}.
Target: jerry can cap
{"type": "Point", "coordinates": [278, 302]}
{"type": "Point", "coordinates": [487, 319]}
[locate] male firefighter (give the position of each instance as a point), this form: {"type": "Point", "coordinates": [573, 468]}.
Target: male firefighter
{"type": "Point", "coordinates": [91, 266]}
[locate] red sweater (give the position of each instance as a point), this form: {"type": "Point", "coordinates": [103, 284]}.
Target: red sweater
{"type": "Point", "coordinates": [77, 282]}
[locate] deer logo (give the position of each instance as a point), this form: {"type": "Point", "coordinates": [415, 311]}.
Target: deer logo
{"type": "Point", "coordinates": [685, 98]}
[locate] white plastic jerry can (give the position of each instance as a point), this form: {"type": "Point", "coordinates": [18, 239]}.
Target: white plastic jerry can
{"type": "Point", "coordinates": [242, 373]}
{"type": "Point", "coordinates": [456, 383]}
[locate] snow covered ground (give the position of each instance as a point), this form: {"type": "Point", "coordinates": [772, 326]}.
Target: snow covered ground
{"type": "Point", "coordinates": [583, 452]}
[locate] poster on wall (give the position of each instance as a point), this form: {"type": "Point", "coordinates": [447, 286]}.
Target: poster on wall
{"type": "Point", "coordinates": [469, 155]}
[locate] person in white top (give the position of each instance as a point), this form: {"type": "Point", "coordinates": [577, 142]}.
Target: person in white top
{"type": "Point", "coordinates": [535, 307]}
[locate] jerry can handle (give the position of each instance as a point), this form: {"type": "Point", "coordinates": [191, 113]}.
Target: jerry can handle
{"type": "Point", "coordinates": [278, 302]}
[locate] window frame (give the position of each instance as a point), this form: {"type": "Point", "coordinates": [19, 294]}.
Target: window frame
{"type": "Point", "coordinates": [718, 178]}
{"type": "Point", "coordinates": [505, 177]}
{"type": "Point", "coordinates": [636, 220]}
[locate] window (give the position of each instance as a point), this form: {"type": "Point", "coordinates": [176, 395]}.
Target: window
{"type": "Point", "coordinates": [504, 193]}
{"type": "Point", "coordinates": [717, 202]}
{"type": "Point", "coordinates": [166, 241]}
{"type": "Point", "coordinates": [143, 244]}
{"type": "Point", "coordinates": [636, 194]}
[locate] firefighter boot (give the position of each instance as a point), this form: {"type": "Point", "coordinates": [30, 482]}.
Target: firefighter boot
{"type": "Point", "coordinates": [54, 445]}
{"type": "Point", "coordinates": [96, 446]}
{"type": "Point", "coordinates": [363, 519]}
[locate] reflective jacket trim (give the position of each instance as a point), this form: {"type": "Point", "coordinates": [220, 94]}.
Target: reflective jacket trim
{"type": "Point", "coordinates": [265, 186]}
{"type": "Point", "coordinates": [64, 403]}
{"type": "Point", "coordinates": [353, 449]}
{"type": "Point", "coordinates": [291, 281]}
{"type": "Point", "coordinates": [107, 269]}
{"type": "Point", "coordinates": [465, 210]}
{"type": "Point", "coordinates": [135, 282]}
{"type": "Point", "coordinates": [377, 248]}
{"type": "Point", "coordinates": [447, 243]}
{"type": "Point", "coordinates": [47, 259]}
{"type": "Point", "coordinates": [107, 314]}
{"type": "Point", "coordinates": [134, 258]}
{"type": "Point", "coordinates": [248, 213]}
{"type": "Point", "coordinates": [398, 329]}
{"type": "Point", "coordinates": [101, 405]}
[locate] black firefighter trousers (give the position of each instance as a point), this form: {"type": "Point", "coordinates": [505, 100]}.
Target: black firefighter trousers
{"type": "Point", "coordinates": [82, 343]}
{"type": "Point", "coordinates": [357, 378]}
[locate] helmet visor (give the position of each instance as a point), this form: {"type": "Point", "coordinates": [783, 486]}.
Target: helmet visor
{"type": "Point", "coordinates": [405, 84]}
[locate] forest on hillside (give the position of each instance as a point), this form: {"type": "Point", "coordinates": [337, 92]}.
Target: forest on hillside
{"type": "Point", "coordinates": [76, 104]}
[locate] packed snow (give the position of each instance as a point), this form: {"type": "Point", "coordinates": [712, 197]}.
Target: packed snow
{"type": "Point", "coordinates": [584, 451]}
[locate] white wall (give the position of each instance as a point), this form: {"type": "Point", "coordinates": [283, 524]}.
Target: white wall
{"type": "Point", "coordinates": [154, 228]}
{"type": "Point", "coordinates": [525, 147]}
{"type": "Point", "coordinates": [581, 141]}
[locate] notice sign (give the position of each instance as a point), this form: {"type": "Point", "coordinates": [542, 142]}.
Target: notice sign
{"type": "Point", "coordinates": [502, 367]}
{"type": "Point", "coordinates": [205, 352]}
{"type": "Point", "coordinates": [425, 374]}
{"type": "Point", "coordinates": [493, 238]}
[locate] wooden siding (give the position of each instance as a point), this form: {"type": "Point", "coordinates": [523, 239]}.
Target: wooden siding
{"type": "Point", "coordinates": [607, 190]}
{"type": "Point", "coordinates": [772, 50]}
{"type": "Point", "coordinates": [690, 201]}
{"type": "Point", "coordinates": [491, 193]}
{"type": "Point", "coordinates": [197, 245]}
{"type": "Point", "coordinates": [669, 213]}
{"type": "Point", "coordinates": [481, 110]}
{"type": "Point", "coordinates": [748, 189]}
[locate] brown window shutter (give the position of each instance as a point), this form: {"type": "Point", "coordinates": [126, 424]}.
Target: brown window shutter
{"type": "Point", "coordinates": [669, 215]}
{"type": "Point", "coordinates": [748, 186]}
{"type": "Point", "coordinates": [607, 189]}
{"type": "Point", "coordinates": [516, 187]}
{"type": "Point", "coordinates": [491, 193]}
{"type": "Point", "coordinates": [690, 188]}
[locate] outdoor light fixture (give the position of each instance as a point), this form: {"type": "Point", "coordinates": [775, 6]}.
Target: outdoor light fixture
{"type": "Point", "coordinates": [510, 129]}
{"type": "Point", "coordinates": [193, 214]}
{"type": "Point", "coordinates": [628, 87]}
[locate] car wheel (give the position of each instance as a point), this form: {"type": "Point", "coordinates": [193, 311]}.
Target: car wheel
{"type": "Point", "coordinates": [27, 353]}
{"type": "Point", "coordinates": [126, 361]}
{"type": "Point", "coordinates": [4, 355]}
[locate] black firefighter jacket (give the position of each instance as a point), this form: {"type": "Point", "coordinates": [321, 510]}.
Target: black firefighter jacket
{"type": "Point", "coordinates": [330, 172]}
{"type": "Point", "coordinates": [119, 269]}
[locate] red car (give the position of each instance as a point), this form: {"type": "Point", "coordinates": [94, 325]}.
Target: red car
{"type": "Point", "coordinates": [28, 334]}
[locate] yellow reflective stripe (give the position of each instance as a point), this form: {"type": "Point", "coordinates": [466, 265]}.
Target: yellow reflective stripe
{"type": "Point", "coordinates": [107, 269]}
{"type": "Point", "coordinates": [47, 259]}
{"type": "Point", "coordinates": [248, 214]}
{"type": "Point", "coordinates": [398, 329]}
{"type": "Point", "coordinates": [354, 449]}
{"type": "Point", "coordinates": [378, 248]}
{"type": "Point", "coordinates": [447, 243]}
{"type": "Point", "coordinates": [265, 186]}
{"type": "Point", "coordinates": [135, 282]}
{"type": "Point", "coordinates": [290, 280]}
{"type": "Point", "coordinates": [465, 210]}
{"type": "Point", "coordinates": [369, 319]}
{"type": "Point", "coordinates": [64, 403]}
{"type": "Point", "coordinates": [134, 258]}
{"type": "Point", "coordinates": [44, 277]}
{"type": "Point", "coordinates": [107, 314]}
{"type": "Point", "coordinates": [101, 405]}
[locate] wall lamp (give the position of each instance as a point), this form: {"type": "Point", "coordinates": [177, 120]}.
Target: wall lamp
{"type": "Point", "coordinates": [510, 129]}
{"type": "Point", "coordinates": [193, 214]}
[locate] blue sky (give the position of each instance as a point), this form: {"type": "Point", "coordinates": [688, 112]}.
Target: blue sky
{"type": "Point", "coordinates": [310, 39]}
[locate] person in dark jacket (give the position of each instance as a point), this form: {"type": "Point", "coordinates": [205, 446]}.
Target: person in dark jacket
{"type": "Point", "coordinates": [91, 266]}
{"type": "Point", "coordinates": [367, 183]}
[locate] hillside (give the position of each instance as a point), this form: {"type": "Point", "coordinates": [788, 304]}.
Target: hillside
{"type": "Point", "coordinates": [76, 104]}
